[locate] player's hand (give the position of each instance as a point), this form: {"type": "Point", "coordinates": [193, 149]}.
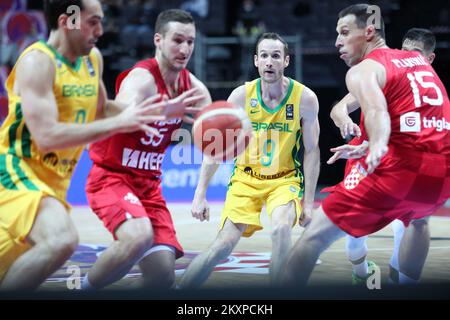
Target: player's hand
{"type": "Point", "coordinates": [138, 115]}
{"type": "Point", "coordinates": [376, 153]}
{"type": "Point", "coordinates": [348, 151]}
{"type": "Point", "coordinates": [200, 208]}
{"type": "Point", "coordinates": [180, 106]}
{"type": "Point", "coordinates": [305, 217]}
{"type": "Point", "coordinates": [350, 129]}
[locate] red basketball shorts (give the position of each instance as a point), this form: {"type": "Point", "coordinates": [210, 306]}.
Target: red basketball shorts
{"type": "Point", "coordinates": [406, 185]}
{"type": "Point", "coordinates": [116, 197]}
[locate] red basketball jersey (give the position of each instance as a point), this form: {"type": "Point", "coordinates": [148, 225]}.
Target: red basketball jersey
{"type": "Point", "coordinates": [138, 152]}
{"type": "Point", "coordinates": [417, 101]}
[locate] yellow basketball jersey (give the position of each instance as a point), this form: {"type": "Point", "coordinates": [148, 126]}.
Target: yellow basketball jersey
{"type": "Point", "coordinates": [275, 150]}
{"type": "Point", "coordinates": [22, 165]}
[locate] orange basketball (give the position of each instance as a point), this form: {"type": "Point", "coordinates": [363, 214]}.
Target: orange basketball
{"type": "Point", "coordinates": [222, 131]}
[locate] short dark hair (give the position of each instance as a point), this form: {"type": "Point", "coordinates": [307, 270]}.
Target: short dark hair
{"type": "Point", "coordinates": [54, 8]}
{"type": "Point", "coordinates": [172, 15]}
{"type": "Point", "coordinates": [423, 35]}
{"type": "Point", "coordinates": [362, 14]}
{"type": "Point", "coordinates": [273, 36]}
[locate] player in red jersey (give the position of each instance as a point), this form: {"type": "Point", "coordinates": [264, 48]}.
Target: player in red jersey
{"type": "Point", "coordinates": [415, 39]}
{"type": "Point", "coordinates": [124, 187]}
{"type": "Point", "coordinates": [406, 173]}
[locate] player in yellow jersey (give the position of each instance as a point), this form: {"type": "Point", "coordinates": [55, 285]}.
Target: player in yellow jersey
{"type": "Point", "coordinates": [55, 93]}
{"type": "Point", "coordinates": [284, 119]}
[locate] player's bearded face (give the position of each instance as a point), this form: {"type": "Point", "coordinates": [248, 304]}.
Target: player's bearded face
{"type": "Point", "coordinates": [351, 41]}
{"type": "Point", "coordinates": [271, 60]}
{"type": "Point", "coordinates": [177, 44]}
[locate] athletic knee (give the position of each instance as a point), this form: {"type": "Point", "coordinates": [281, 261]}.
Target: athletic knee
{"type": "Point", "coordinates": [135, 237]}
{"type": "Point", "coordinates": [63, 243]}
{"type": "Point", "coordinates": [281, 230]}
{"type": "Point", "coordinates": [137, 244]}
{"type": "Point", "coordinates": [222, 249]}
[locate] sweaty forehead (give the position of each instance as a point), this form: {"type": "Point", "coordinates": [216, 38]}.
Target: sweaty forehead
{"type": "Point", "coordinates": [92, 8]}
{"type": "Point", "coordinates": [348, 21]}
{"type": "Point", "coordinates": [271, 45]}
{"type": "Point", "coordinates": [182, 29]}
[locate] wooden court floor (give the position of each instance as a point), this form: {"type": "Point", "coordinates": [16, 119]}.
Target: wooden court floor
{"type": "Point", "coordinates": [248, 264]}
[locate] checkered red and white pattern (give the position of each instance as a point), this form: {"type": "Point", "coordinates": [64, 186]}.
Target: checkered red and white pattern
{"type": "Point", "coordinates": [357, 173]}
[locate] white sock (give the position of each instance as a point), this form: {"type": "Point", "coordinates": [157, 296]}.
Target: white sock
{"type": "Point", "coordinates": [398, 228]}
{"type": "Point", "coordinates": [86, 285]}
{"type": "Point", "coordinates": [356, 250]}
{"type": "Point", "coordinates": [404, 279]}
{"type": "Point", "coordinates": [361, 270]}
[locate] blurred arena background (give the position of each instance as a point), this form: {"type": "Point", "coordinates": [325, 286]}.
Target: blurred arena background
{"type": "Point", "coordinates": [226, 33]}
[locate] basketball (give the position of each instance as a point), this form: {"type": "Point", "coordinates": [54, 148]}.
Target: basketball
{"type": "Point", "coordinates": [222, 131]}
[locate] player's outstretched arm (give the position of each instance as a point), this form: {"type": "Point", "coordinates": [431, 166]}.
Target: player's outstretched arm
{"type": "Point", "coordinates": [365, 82]}
{"type": "Point", "coordinates": [309, 111]}
{"type": "Point", "coordinates": [348, 151]}
{"type": "Point", "coordinates": [200, 207]}
{"type": "Point", "coordinates": [140, 84]}
{"type": "Point", "coordinates": [41, 113]}
{"type": "Point", "coordinates": [340, 116]}
{"type": "Point", "coordinates": [107, 108]}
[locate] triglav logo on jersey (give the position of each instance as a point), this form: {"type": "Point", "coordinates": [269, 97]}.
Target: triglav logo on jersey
{"type": "Point", "coordinates": [439, 124]}
{"type": "Point", "coordinates": [355, 176]}
{"type": "Point", "coordinates": [410, 122]}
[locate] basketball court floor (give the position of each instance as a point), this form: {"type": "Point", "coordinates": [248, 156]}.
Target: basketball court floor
{"type": "Point", "coordinates": [248, 264]}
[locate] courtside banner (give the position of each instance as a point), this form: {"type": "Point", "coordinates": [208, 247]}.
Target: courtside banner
{"type": "Point", "coordinates": [181, 171]}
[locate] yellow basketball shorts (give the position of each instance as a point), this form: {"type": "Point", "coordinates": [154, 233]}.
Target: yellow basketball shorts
{"type": "Point", "coordinates": [20, 195]}
{"type": "Point", "coordinates": [247, 195]}
{"type": "Point", "coordinates": [18, 210]}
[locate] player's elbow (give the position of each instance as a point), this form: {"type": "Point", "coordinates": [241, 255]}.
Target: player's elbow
{"type": "Point", "coordinates": [333, 115]}
{"type": "Point", "coordinates": [47, 136]}
{"type": "Point", "coordinates": [44, 142]}
{"type": "Point", "coordinates": [313, 152]}
{"type": "Point", "coordinates": [43, 147]}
